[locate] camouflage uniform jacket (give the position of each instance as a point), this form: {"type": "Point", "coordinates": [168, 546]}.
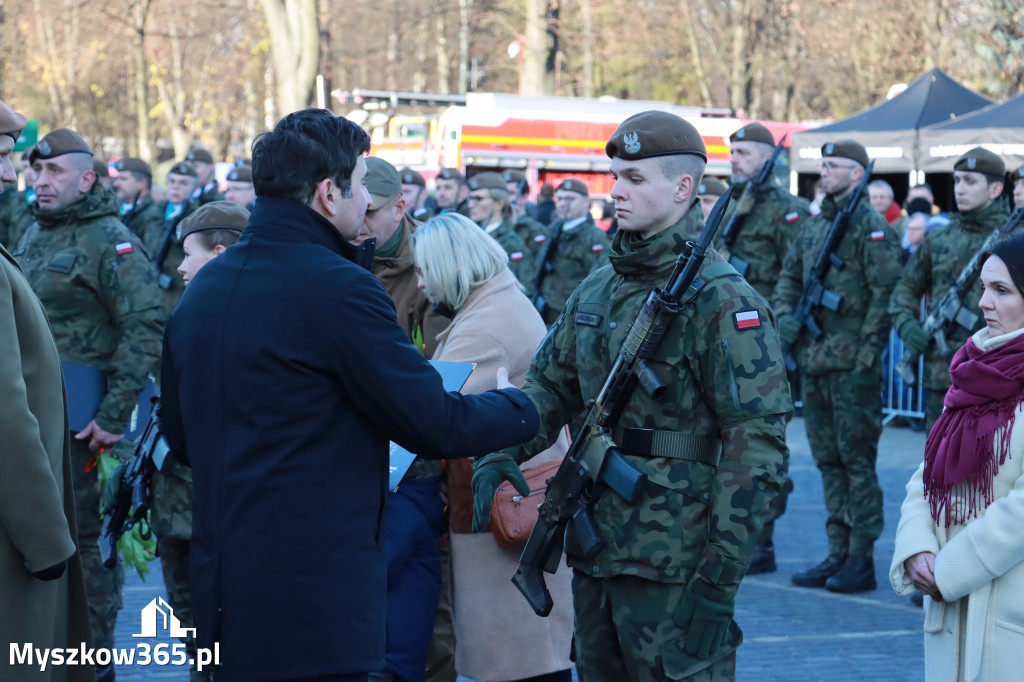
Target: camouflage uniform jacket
{"type": "Point", "coordinates": [933, 269]}
{"type": "Point", "coordinates": [580, 251]}
{"type": "Point", "coordinates": [855, 335]}
{"type": "Point", "coordinates": [15, 217]}
{"type": "Point", "coordinates": [723, 382]}
{"type": "Point", "coordinates": [520, 260]}
{"type": "Point", "coordinates": [532, 233]}
{"type": "Point", "coordinates": [100, 294]}
{"type": "Point", "coordinates": [175, 254]}
{"type": "Point", "coordinates": [767, 232]}
{"type": "Point", "coordinates": [145, 220]}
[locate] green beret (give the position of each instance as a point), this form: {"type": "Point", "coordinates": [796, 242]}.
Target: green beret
{"type": "Point", "coordinates": [411, 177]}
{"type": "Point", "coordinates": [216, 215]}
{"type": "Point", "coordinates": [134, 165]}
{"type": "Point", "coordinates": [200, 155]}
{"type": "Point", "coordinates": [513, 175]}
{"type": "Point", "coordinates": [488, 180]}
{"type": "Point", "coordinates": [451, 174]}
{"type": "Point", "coordinates": [655, 133]}
{"type": "Point", "coordinates": [100, 168]}
{"type": "Point", "coordinates": [11, 122]}
{"type": "Point", "coordinates": [711, 186]}
{"type": "Point", "coordinates": [573, 185]}
{"type": "Point", "coordinates": [753, 132]}
{"type": "Point", "coordinates": [981, 160]}
{"type": "Point", "coordinates": [382, 181]}
{"type": "Point", "coordinates": [240, 173]}
{"type": "Point", "coordinates": [59, 142]}
{"type": "Point", "coordinates": [847, 149]}
{"type": "Point", "coordinates": [182, 168]}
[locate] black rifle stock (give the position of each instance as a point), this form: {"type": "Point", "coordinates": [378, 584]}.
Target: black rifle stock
{"type": "Point", "coordinates": [593, 461]}
{"type": "Point", "coordinates": [163, 279]}
{"type": "Point", "coordinates": [743, 208]}
{"type": "Point", "coordinates": [950, 311]}
{"type": "Point", "coordinates": [126, 219]}
{"type": "Point", "coordinates": [815, 295]}
{"type": "Point", "coordinates": [546, 267]}
{"type": "Point", "coordinates": [131, 504]}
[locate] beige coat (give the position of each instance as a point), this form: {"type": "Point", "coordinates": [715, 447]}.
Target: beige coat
{"type": "Point", "coordinates": [37, 517]}
{"type": "Point", "coordinates": [498, 636]}
{"type": "Point", "coordinates": [977, 633]}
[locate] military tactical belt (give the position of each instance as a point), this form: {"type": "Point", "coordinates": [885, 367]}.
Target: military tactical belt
{"type": "Point", "coordinates": [682, 445]}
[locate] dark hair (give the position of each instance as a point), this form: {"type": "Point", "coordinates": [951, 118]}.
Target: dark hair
{"type": "Point", "coordinates": [218, 236]}
{"type": "Point", "coordinates": [303, 149]}
{"type": "Point", "coordinates": [140, 177]}
{"type": "Point", "coordinates": [1011, 252]}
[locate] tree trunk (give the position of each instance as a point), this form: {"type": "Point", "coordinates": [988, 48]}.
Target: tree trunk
{"type": "Point", "coordinates": [531, 78]}
{"type": "Point", "coordinates": [294, 27]}
{"type": "Point", "coordinates": [587, 48]}
{"type": "Point", "coordinates": [145, 146]}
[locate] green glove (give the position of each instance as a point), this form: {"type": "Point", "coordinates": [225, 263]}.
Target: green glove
{"type": "Point", "coordinates": [489, 472]}
{"type": "Point", "coordinates": [789, 328]}
{"type": "Point", "coordinates": [705, 620]}
{"type": "Point", "coordinates": [915, 338]}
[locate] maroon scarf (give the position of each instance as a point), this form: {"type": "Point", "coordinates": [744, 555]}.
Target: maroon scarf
{"type": "Point", "coordinates": [971, 439]}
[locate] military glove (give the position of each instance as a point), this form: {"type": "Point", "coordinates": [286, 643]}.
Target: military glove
{"type": "Point", "coordinates": [914, 337]}
{"type": "Point", "coordinates": [789, 328]}
{"type": "Point", "coordinates": [489, 472]}
{"type": "Point", "coordinates": [705, 620]}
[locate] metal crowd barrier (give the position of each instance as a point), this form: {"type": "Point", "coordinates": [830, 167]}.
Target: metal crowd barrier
{"type": "Point", "coordinates": [898, 399]}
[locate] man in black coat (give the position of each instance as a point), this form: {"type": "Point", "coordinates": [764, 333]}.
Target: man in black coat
{"type": "Point", "coordinates": [285, 374]}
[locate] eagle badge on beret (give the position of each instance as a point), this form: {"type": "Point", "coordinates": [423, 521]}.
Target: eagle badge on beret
{"type": "Point", "coordinates": [631, 141]}
{"type": "Point", "coordinates": [972, 163]}
{"type": "Point", "coordinates": [830, 148]}
{"type": "Point", "coordinates": [741, 133]}
{"type": "Point", "coordinates": [44, 147]}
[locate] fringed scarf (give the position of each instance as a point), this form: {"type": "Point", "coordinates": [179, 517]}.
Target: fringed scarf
{"type": "Point", "coordinates": [971, 439]}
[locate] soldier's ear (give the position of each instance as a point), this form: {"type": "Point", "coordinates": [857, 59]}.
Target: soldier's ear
{"type": "Point", "coordinates": [86, 182]}
{"type": "Point", "coordinates": [685, 187]}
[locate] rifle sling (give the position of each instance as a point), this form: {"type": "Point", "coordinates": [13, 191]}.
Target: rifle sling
{"type": "Point", "coordinates": [683, 445]}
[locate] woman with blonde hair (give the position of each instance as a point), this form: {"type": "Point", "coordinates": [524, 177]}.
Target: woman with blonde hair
{"type": "Point", "coordinates": [498, 637]}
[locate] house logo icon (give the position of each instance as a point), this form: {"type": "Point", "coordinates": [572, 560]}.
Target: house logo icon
{"type": "Point", "coordinates": [158, 611]}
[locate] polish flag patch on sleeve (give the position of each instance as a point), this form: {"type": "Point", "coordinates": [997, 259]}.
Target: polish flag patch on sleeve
{"type": "Point", "coordinates": [540, 239]}
{"type": "Point", "coordinates": [748, 319]}
{"type": "Point", "coordinates": [515, 256]}
{"type": "Point", "coordinates": [124, 247]}
{"type": "Point", "coordinates": [877, 236]}
{"type": "Point", "coordinates": [597, 248]}
{"type": "Point", "coordinates": [792, 217]}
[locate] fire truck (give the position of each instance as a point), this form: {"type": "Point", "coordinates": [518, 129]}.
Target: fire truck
{"type": "Point", "coordinates": [549, 138]}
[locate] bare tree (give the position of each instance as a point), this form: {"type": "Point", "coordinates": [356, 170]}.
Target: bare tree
{"type": "Point", "coordinates": [294, 27]}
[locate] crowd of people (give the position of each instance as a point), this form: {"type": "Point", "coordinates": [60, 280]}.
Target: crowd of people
{"type": "Point", "coordinates": [290, 324]}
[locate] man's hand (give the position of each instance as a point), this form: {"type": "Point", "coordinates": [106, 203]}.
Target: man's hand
{"type": "Point", "coordinates": [705, 620]}
{"type": "Point", "coordinates": [789, 329]}
{"type": "Point", "coordinates": [503, 379]}
{"type": "Point", "coordinates": [489, 472]}
{"type": "Point", "coordinates": [914, 337]}
{"type": "Point", "coordinates": [98, 438]}
{"type": "Point", "coordinates": [921, 569]}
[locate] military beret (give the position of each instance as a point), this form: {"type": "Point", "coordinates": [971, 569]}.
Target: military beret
{"type": "Point", "coordinates": [59, 142]}
{"type": "Point", "coordinates": [134, 165]}
{"type": "Point", "coordinates": [1017, 174]}
{"type": "Point", "coordinates": [451, 174]}
{"type": "Point", "coordinates": [753, 132]}
{"type": "Point", "coordinates": [513, 175]}
{"type": "Point", "coordinates": [216, 215]}
{"type": "Point", "coordinates": [488, 180]}
{"type": "Point", "coordinates": [182, 168]}
{"type": "Point", "coordinates": [100, 168]}
{"type": "Point", "coordinates": [241, 173]}
{"type": "Point", "coordinates": [981, 160]}
{"type": "Point", "coordinates": [11, 122]}
{"type": "Point", "coordinates": [382, 181]}
{"type": "Point", "coordinates": [573, 185]}
{"type": "Point", "coordinates": [711, 186]}
{"type": "Point", "coordinates": [655, 133]}
{"type": "Point", "coordinates": [411, 177]}
{"type": "Point", "coordinates": [847, 149]}
{"type": "Point", "coordinates": [200, 155]}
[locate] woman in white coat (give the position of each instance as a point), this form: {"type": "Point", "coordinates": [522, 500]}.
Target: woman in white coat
{"type": "Point", "coordinates": [464, 272]}
{"type": "Point", "coordinates": [960, 539]}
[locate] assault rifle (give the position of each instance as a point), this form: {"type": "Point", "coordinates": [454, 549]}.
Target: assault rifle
{"type": "Point", "coordinates": [815, 295]}
{"type": "Point", "coordinates": [546, 267]}
{"type": "Point", "coordinates": [743, 208]}
{"type": "Point", "coordinates": [593, 461]}
{"type": "Point", "coordinates": [950, 312]}
{"type": "Point", "coordinates": [170, 234]}
{"type": "Point", "coordinates": [130, 505]}
{"type": "Point", "coordinates": [126, 219]}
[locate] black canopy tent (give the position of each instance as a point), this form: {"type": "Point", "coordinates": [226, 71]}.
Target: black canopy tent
{"type": "Point", "coordinates": [889, 130]}
{"type": "Point", "coordinates": [999, 128]}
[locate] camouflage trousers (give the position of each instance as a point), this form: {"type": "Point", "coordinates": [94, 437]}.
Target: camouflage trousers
{"type": "Point", "coordinates": [441, 657]}
{"type": "Point", "coordinates": [776, 508]}
{"type": "Point", "coordinates": [625, 632]}
{"type": "Point", "coordinates": [843, 417]}
{"type": "Point", "coordinates": [175, 563]}
{"type": "Point", "coordinates": [102, 585]}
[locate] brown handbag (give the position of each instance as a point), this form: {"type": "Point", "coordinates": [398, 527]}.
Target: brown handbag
{"type": "Point", "coordinates": [512, 514]}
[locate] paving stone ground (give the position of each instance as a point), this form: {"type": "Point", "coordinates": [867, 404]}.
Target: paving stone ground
{"type": "Point", "coordinates": [791, 634]}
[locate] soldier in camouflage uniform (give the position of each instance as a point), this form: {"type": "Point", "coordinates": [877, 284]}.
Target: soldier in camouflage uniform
{"type": "Point", "coordinates": [841, 372]}
{"type": "Point", "coordinates": [414, 193]}
{"type": "Point", "coordinates": [452, 192]}
{"type": "Point", "coordinates": [182, 179]}
{"type": "Point", "coordinates": [100, 294]}
{"type": "Point", "coordinates": [656, 603]}
{"type": "Point", "coordinates": [240, 189]}
{"type": "Point", "coordinates": [708, 191]}
{"type": "Point", "coordinates": [939, 260]}
{"type": "Point", "coordinates": [206, 189]}
{"type": "Point", "coordinates": [489, 208]}
{"type": "Point", "coordinates": [133, 184]}
{"type": "Point", "coordinates": [1017, 178]}
{"type": "Point", "coordinates": [16, 207]}
{"type": "Point", "coordinates": [529, 230]}
{"type": "Point", "coordinates": [578, 250]}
